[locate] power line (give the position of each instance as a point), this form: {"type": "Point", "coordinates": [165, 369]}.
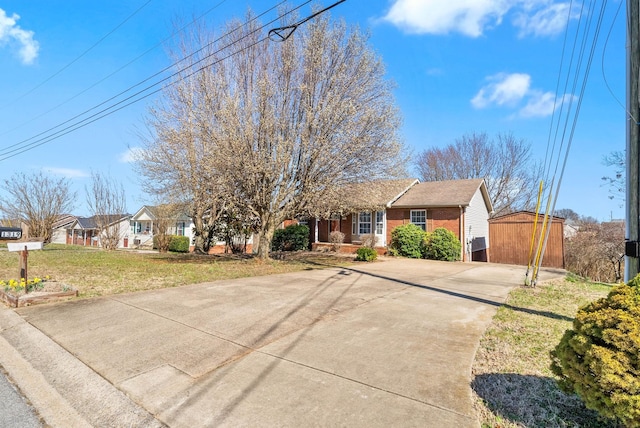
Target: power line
{"type": "Point", "coordinates": [580, 74]}
{"type": "Point", "coordinates": [116, 71]}
{"type": "Point", "coordinates": [6, 151]}
{"type": "Point", "coordinates": [132, 98]}
{"type": "Point", "coordinates": [78, 57]}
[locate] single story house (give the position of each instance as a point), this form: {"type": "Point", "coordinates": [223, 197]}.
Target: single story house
{"type": "Point", "coordinates": [462, 206]}
{"type": "Point", "coordinates": [84, 230]}
{"type": "Point", "coordinates": [144, 223]}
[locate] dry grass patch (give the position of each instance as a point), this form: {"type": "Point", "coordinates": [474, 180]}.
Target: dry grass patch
{"type": "Point", "coordinates": [98, 273]}
{"type": "Point", "coordinates": [513, 384]}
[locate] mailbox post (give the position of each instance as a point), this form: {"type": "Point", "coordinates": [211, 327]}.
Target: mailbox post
{"type": "Point", "coordinates": [23, 248]}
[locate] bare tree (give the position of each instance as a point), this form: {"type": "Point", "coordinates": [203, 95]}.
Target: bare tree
{"type": "Point", "coordinates": [617, 182]}
{"type": "Point", "coordinates": [506, 164]}
{"type": "Point", "coordinates": [107, 203]}
{"type": "Point", "coordinates": [596, 251]}
{"type": "Point", "coordinates": [36, 200]}
{"type": "Point", "coordinates": [166, 216]}
{"type": "Point", "coordinates": [176, 160]}
{"type": "Point", "coordinates": [284, 126]}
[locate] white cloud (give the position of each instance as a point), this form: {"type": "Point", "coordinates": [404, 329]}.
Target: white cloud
{"type": "Point", "coordinates": [131, 155]}
{"type": "Point", "coordinates": [468, 17]}
{"type": "Point", "coordinates": [12, 34]}
{"type": "Point", "coordinates": [502, 89]}
{"type": "Point", "coordinates": [542, 104]}
{"type": "Point", "coordinates": [472, 17]}
{"type": "Point", "coordinates": [67, 172]}
{"type": "Point", "coordinates": [550, 20]}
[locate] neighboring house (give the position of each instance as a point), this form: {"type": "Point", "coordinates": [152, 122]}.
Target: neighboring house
{"type": "Point", "coordinates": [84, 230]}
{"type": "Point", "coordinates": [461, 206]}
{"type": "Point", "coordinates": [59, 234]}
{"type": "Point", "coordinates": [511, 239]}
{"type": "Point", "coordinates": [144, 223]}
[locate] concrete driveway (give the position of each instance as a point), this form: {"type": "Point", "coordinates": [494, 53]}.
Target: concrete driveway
{"type": "Point", "coordinates": [373, 345]}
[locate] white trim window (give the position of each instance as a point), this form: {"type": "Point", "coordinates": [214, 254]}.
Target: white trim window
{"type": "Point", "coordinates": [364, 223]}
{"type": "Point", "coordinates": [354, 224]}
{"type": "Point", "coordinates": [419, 218]}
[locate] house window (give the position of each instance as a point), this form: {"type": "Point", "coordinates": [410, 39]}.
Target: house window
{"type": "Point", "coordinates": [354, 224]}
{"type": "Point", "coordinates": [180, 228]}
{"type": "Point", "coordinates": [379, 222]}
{"type": "Point", "coordinates": [364, 223]}
{"type": "Point", "coordinates": [419, 218]}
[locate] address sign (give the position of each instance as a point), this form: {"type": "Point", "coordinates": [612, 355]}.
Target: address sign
{"type": "Point", "coordinates": [10, 233]}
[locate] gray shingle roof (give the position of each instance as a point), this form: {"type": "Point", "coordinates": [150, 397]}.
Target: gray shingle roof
{"type": "Point", "coordinates": [447, 193]}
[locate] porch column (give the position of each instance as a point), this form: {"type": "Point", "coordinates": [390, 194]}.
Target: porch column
{"type": "Point", "coordinates": [316, 231]}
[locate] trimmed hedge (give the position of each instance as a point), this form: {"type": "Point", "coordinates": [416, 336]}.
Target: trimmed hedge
{"type": "Point", "coordinates": [407, 240]}
{"type": "Point", "coordinates": [292, 238]}
{"type": "Point", "coordinates": [599, 359]}
{"type": "Point", "coordinates": [177, 244]}
{"type": "Point", "coordinates": [441, 244]}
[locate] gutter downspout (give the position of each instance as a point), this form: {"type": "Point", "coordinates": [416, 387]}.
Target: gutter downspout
{"type": "Point", "coordinates": [462, 246]}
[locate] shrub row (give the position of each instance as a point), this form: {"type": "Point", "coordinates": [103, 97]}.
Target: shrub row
{"type": "Point", "coordinates": [410, 240]}
{"type": "Point", "coordinates": [177, 244]}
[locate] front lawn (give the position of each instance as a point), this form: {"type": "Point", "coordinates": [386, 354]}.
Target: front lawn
{"type": "Point", "coordinates": [96, 272]}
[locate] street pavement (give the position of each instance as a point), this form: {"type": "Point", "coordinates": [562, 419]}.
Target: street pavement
{"type": "Point", "coordinates": [15, 411]}
{"type": "Point", "coordinates": [373, 345]}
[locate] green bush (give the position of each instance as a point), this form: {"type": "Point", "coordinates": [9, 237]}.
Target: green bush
{"type": "Point", "coordinates": [366, 254]}
{"type": "Point", "coordinates": [291, 238]}
{"type": "Point", "coordinates": [179, 244]}
{"type": "Point", "coordinates": [600, 358]}
{"type": "Point", "coordinates": [407, 240]}
{"type": "Point", "coordinates": [441, 244]}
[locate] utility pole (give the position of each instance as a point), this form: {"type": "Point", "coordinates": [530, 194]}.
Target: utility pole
{"type": "Point", "coordinates": [632, 244]}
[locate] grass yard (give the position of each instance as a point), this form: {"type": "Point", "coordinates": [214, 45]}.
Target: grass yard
{"type": "Point", "coordinates": [513, 384]}
{"type": "Point", "coordinates": [96, 272]}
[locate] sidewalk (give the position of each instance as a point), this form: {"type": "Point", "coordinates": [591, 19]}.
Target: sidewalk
{"type": "Point", "coordinates": [382, 344]}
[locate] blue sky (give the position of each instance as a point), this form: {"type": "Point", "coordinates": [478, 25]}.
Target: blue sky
{"type": "Point", "coordinates": [460, 66]}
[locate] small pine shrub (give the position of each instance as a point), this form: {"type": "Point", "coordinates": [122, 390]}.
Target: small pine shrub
{"type": "Point", "coordinates": [599, 359]}
{"type": "Point", "coordinates": [336, 238]}
{"type": "Point", "coordinates": [366, 254]}
{"type": "Point", "coordinates": [292, 238]}
{"type": "Point", "coordinates": [406, 240]}
{"type": "Point", "coordinates": [179, 244]}
{"type": "Point", "coordinates": [441, 244]}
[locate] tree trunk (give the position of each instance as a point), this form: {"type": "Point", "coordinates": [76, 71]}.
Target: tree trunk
{"type": "Point", "coordinates": [265, 235]}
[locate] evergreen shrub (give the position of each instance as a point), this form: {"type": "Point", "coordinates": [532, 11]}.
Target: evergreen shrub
{"type": "Point", "coordinates": [179, 244]}
{"type": "Point", "coordinates": [366, 254]}
{"type": "Point", "coordinates": [407, 241]}
{"type": "Point", "coordinates": [599, 359]}
{"type": "Point", "coordinates": [441, 244]}
{"type": "Point", "coordinates": [292, 238]}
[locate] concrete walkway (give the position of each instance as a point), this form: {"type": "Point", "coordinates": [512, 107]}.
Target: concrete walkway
{"type": "Point", "coordinates": [374, 345]}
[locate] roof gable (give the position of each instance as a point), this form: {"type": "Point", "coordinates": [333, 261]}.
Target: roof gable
{"type": "Point", "coordinates": [373, 194]}
{"type": "Point", "coordinates": [448, 193]}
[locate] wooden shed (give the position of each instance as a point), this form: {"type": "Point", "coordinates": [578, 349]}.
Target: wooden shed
{"type": "Point", "coordinates": [510, 237]}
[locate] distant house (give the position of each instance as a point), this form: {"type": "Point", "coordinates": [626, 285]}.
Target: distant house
{"type": "Point", "coordinates": [144, 224]}
{"type": "Point", "coordinates": [85, 231]}
{"type": "Point", "coordinates": [59, 234]}
{"type": "Point", "coordinates": [461, 206]}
